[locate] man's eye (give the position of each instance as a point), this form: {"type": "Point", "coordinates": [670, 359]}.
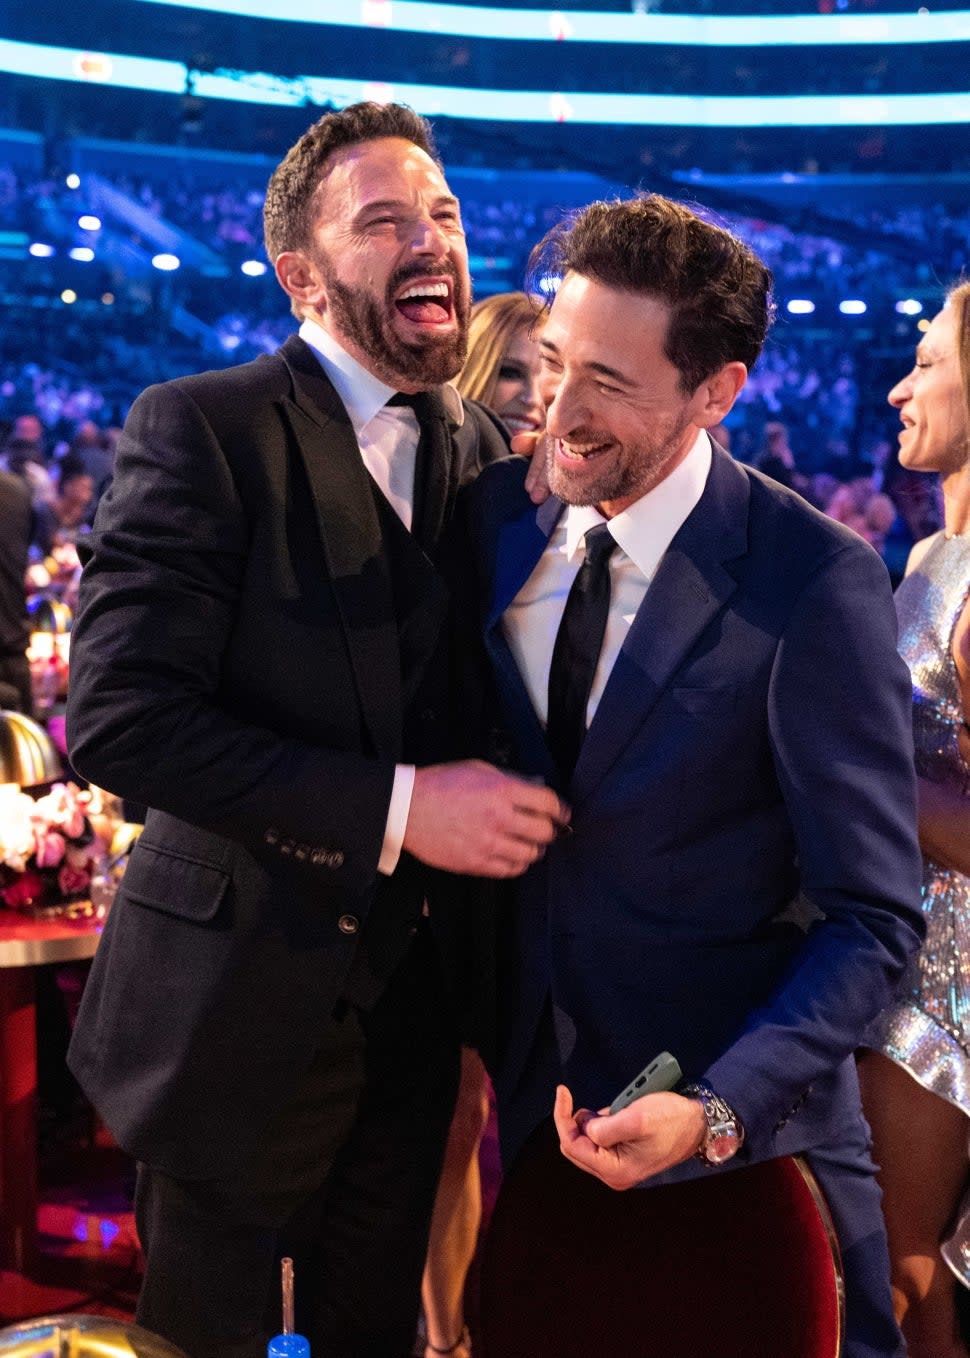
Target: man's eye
{"type": "Point", "coordinates": [509, 372]}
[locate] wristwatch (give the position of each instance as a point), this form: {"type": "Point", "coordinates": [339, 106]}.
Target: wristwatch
{"type": "Point", "coordinates": [725, 1131]}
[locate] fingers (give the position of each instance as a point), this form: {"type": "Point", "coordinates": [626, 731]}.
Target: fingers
{"type": "Point", "coordinates": [535, 447]}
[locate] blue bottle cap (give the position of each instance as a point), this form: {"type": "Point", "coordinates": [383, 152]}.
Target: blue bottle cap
{"type": "Point", "coordinates": [288, 1346]}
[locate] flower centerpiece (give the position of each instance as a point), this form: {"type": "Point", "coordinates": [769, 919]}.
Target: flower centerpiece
{"type": "Point", "coordinates": [48, 847]}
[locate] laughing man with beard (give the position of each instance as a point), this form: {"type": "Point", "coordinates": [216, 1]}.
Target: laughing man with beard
{"type": "Point", "coordinates": [257, 659]}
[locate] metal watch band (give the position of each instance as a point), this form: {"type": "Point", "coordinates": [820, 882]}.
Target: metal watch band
{"type": "Point", "coordinates": [723, 1124]}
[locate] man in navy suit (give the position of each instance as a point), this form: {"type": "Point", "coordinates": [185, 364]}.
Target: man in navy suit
{"type": "Point", "coordinates": [740, 882]}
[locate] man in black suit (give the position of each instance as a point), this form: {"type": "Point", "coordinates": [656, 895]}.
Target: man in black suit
{"type": "Point", "coordinates": [258, 659]}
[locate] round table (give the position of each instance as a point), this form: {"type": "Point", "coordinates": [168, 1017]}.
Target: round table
{"type": "Point", "coordinates": [26, 943]}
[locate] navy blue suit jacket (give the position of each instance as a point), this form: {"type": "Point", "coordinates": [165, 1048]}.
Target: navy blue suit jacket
{"type": "Point", "coordinates": [741, 886]}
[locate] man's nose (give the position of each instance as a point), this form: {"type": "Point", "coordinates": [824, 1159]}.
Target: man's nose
{"type": "Point", "coordinates": [429, 237]}
{"type": "Point", "coordinates": [564, 410]}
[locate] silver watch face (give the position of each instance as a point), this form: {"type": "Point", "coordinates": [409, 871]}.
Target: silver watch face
{"type": "Point", "coordinates": [721, 1145]}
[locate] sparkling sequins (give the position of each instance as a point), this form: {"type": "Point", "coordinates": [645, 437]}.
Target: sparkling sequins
{"type": "Point", "coordinates": [928, 1030]}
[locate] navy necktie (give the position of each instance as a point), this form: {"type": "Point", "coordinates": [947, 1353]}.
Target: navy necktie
{"type": "Point", "coordinates": [577, 650]}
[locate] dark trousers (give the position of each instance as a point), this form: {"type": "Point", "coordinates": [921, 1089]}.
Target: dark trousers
{"type": "Point", "coordinates": [344, 1183]}
{"type": "Point", "coordinates": [847, 1176]}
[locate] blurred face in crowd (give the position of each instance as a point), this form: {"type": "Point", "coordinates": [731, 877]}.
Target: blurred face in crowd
{"type": "Point", "coordinates": [935, 436]}
{"type": "Point", "coordinates": [617, 419]}
{"type": "Point", "coordinates": [387, 271]}
{"type": "Point", "coordinates": [517, 400]}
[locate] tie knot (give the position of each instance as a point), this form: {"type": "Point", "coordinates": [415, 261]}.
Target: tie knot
{"type": "Point", "coordinates": [600, 543]}
{"type": "Point", "coordinates": [425, 404]}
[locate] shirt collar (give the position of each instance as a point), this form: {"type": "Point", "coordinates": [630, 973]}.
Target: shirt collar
{"type": "Point", "coordinates": [645, 530]}
{"type": "Point", "coordinates": [363, 394]}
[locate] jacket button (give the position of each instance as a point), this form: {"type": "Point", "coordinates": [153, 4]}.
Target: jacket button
{"type": "Point", "coordinates": [348, 924]}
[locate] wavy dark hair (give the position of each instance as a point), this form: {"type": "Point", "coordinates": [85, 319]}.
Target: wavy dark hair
{"type": "Point", "coordinates": [718, 290]}
{"type": "Point", "coordinates": [289, 209]}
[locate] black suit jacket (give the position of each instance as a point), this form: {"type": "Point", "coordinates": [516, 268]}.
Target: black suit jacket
{"type": "Point", "coordinates": [237, 667]}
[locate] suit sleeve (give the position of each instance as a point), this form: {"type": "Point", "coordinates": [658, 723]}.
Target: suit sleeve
{"type": "Point", "coordinates": [840, 721]}
{"type": "Point", "coordinates": [164, 569]}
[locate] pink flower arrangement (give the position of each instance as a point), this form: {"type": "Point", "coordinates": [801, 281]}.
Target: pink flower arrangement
{"type": "Point", "coordinates": [47, 846]}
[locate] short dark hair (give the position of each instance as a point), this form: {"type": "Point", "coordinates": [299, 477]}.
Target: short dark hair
{"type": "Point", "coordinates": [288, 210]}
{"type": "Point", "coordinates": [718, 289]}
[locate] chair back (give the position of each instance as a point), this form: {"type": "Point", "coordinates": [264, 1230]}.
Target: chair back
{"type": "Point", "coordinates": [742, 1262]}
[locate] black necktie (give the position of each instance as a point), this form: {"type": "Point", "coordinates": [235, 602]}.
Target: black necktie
{"type": "Point", "coordinates": [432, 468]}
{"type": "Point", "coordinates": [577, 650]}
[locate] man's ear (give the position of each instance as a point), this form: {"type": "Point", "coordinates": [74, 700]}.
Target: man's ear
{"type": "Point", "coordinates": [716, 394]}
{"type": "Point", "coordinates": [300, 279]}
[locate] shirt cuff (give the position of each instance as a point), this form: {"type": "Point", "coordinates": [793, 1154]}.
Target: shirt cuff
{"type": "Point", "coordinates": [397, 818]}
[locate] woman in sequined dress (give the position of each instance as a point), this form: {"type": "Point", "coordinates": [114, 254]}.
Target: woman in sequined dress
{"type": "Point", "coordinates": [916, 1077]}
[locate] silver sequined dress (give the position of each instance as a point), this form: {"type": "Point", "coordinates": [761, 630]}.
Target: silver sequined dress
{"type": "Point", "coordinates": [928, 1029]}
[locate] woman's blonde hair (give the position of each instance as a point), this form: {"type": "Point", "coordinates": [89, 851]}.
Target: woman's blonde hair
{"type": "Point", "coordinates": [494, 323]}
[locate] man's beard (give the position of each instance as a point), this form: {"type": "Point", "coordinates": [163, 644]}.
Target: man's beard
{"type": "Point", "coordinates": [637, 469]}
{"type": "Point", "coordinates": [431, 360]}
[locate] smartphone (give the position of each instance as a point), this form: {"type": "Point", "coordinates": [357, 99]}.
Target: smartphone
{"type": "Point", "coordinates": [662, 1073]}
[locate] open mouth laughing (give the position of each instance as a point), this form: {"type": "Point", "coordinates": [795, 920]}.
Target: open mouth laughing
{"type": "Point", "coordinates": [427, 301]}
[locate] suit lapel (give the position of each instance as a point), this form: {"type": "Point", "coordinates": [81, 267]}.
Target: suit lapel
{"type": "Point", "coordinates": [353, 547]}
{"type": "Point", "coordinates": [520, 543]}
{"type": "Point", "coordinates": [691, 586]}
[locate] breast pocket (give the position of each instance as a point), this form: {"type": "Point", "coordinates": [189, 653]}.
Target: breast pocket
{"type": "Point", "coordinates": [700, 702]}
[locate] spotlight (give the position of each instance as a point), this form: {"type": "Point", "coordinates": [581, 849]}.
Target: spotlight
{"type": "Point", "coordinates": [73, 181]}
{"type": "Point", "coordinates": [166, 262]}
{"type": "Point", "coordinates": [909, 306]}
{"type": "Point", "coordinates": [82, 252]}
{"type": "Point", "coordinates": [253, 268]}
{"type": "Point", "coordinates": [40, 249]}
{"type": "Point", "coordinates": [852, 307]}
{"type": "Point", "coordinates": [800, 306]}
{"type": "Point", "coordinates": [68, 296]}
{"type": "Point", "coordinates": [88, 222]}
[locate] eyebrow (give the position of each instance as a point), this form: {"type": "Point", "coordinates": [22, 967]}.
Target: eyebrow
{"type": "Point", "coordinates": [602, 369]}
{"type": "Point", "coordinates": [384, 204]}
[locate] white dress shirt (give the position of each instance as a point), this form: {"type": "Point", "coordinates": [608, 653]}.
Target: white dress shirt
{"type": "Point", "coordinates": [643, 533]}
{"type": "Point", "coordinates": [388, 441]}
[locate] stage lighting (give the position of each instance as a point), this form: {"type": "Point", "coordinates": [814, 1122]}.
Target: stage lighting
{"type": "Point", "coordinates": [88, 222]}
{"type": "Point", "coordinates": [909, 306]}
{"type": "Point", "coordinates": [84, 253]}
{"type": "Point", "coordinates": [800, 306]}
{"type": "Point", "coordinates": [68, 296]}
{"type": "Point", "coordinates": [253, 268]}
{"type": "Point", "coordinates": [73, 181]}
{"type": "Point", "coordinates": [852, 307]}
{"type": "Point", "coordinates": [40, 249]}
{"type": "Point", "coordinates": [166, 262]}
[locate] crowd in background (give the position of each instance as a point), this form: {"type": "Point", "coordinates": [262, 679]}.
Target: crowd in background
{"type": "Point", "coordinates": [812, 413]}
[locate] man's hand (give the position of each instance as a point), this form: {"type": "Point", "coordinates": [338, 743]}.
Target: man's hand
{"type": "Point", "coordinates": [648, 1136]}
{"type": "Point", "coordinates": [535, 446]}
{"type": "Point", "coordinates": [471, 818]}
